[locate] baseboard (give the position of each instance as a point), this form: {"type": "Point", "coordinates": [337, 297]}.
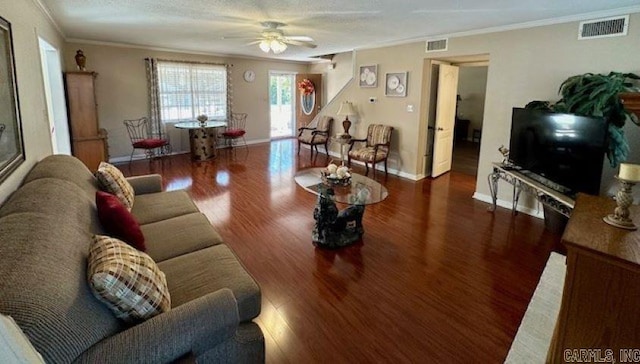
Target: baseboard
{"type": "Point", "coordinates": [137, 157]}
{"type": "Point", "coordinates": [380, 167]}
{"type": "Point", "coordinates": [507, 205]}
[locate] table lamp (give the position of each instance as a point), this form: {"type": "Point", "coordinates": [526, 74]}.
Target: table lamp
{"type": "Point", "coordinates": [346, 109]}
{"type": "Point", "coordinates": [628, 176]}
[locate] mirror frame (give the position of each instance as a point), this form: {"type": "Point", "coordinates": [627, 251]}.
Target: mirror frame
{"type": "Point", "coordinates": [13, 129]}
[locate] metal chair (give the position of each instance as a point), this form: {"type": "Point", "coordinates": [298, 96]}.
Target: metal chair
{"type": "Point", "coordinates": [235, 129]}
{"type": "Point", "coordinates": [316, 136]}
{"type": "Point", "coordinates": [141, 138]}
{"type": "Point", "coordinates": [376, 149]}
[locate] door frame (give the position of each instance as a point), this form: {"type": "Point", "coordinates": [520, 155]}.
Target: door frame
{"type": "Point", "coordinates": [293, 101]}
{"type": "Point", "coordinates": [427, 104]}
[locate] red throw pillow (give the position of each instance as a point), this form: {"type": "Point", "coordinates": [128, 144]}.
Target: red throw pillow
{"type": "Point", "coordinates": [118, 221]}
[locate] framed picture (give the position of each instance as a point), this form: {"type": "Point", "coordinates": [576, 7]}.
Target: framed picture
{"type": "Point", "coordinates": [369, 75]}
{"type": "Point", "coordinates": [11, 144]}
{"type": "Point", "coordinates": [395, 84]}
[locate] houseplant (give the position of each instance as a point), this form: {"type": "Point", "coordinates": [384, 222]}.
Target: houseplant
{"type": "Point", "coordinates": [597, 95]}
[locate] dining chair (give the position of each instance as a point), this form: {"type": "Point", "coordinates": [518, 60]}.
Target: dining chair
{"type": "Point", "coordinates": [141, 138]}
{"type": "Point", "coordinates": [376, 148]}
{"type": "Point", "coordinates": [236, 129]}
{"type": "Point", "coordinates": [314, 136]}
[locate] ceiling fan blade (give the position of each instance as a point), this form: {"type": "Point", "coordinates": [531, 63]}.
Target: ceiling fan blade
{"type": "Point", "coordinates": [237, 37]}
{"type": "Point", "coordinates": [254, 42]}
{"type": "Point", "coordinates": [299, 43]}
{"type": "Point", "coordinates": [300, 38]}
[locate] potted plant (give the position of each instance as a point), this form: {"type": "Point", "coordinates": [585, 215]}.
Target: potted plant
{"type": "Point", "coordinates": [598, 95]}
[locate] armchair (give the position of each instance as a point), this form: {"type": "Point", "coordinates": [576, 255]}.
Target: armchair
{"type": "Point", "coordinates": [376, 149]}
{"type": "Point", "coordinates": [315, 136]}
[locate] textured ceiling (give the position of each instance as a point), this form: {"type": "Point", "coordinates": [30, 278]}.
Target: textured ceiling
{"type": "Point", "coordinates": [336, 26]}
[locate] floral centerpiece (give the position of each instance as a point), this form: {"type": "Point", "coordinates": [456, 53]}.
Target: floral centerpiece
{"type": "Point", "coordinates": [306, 87]}
{"type": "Point", "coordinates": [336, 176]}
{"type": "Point", "coordinates": [202, 119]}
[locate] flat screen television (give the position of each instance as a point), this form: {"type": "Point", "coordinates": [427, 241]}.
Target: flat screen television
{"type": "Point", "coordinates": [565, 149]}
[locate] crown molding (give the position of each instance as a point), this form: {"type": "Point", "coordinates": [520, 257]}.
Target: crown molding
{"type": "Point", "coordinates": [183, 51]}
{"type": "Point", "coordinates": [47, 13]}
{"type": "Point", "coordinates": [502, 28]}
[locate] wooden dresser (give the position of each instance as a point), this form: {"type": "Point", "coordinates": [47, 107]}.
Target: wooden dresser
{"type": "Point", "coordinates": [88, 141]}
{"type": "Point", "coordinates": [601, 299]}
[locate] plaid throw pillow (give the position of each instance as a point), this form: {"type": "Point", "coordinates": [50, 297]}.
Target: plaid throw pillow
{"type": "Point", "coordinates": [128, 281]}
{"type": "Point", "coordinates": [114, 182]}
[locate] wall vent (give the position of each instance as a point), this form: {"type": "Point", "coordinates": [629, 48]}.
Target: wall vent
{"type": "Point", "coordinates": [437, 45]}
{"type": "Point", "coordinates": [605, 27]}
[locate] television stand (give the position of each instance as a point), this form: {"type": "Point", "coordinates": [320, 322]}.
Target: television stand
{"type": "Point", "coordinates": [549, 197]}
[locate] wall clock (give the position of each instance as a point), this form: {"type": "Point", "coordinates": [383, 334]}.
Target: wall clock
{"type": "Point", "coordinates": [249, 76]}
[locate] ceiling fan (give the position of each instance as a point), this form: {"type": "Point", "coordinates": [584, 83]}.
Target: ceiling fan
{"type": "Point", "coordinates": [273, 39]}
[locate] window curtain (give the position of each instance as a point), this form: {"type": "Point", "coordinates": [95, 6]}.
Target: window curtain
{"type": "Point", "coordinates": [155, 120]}
{"type": "Point", "coordinates": [229, 92]}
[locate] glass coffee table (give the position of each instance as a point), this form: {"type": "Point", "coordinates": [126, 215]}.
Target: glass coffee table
{"type": "Point", "coordinates": [334, 228]}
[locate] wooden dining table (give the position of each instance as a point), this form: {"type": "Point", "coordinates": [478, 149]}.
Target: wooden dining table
{"type": "Point", "coordinates": [202, 137]}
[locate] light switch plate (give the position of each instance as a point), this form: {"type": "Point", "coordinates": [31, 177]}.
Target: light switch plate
{"type": "Point", "coordinates": [409, 108]}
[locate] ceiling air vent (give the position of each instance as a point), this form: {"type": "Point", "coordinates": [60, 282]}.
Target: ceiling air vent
{"type": "Point", "coordinates": [437, 45]}
{"type": "Point", "coordinates": [605, 27]}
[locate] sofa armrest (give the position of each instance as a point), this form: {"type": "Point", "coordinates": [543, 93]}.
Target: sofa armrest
{"type": "Point", "coordinates": [149, 183]}
{"type": "Point", "coordinates": [194, 327]}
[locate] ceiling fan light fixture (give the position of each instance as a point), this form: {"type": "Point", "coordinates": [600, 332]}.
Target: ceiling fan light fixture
{"type": "Point", "coordinates": [265, 46]}
{"type": "Point", "coordinates": [277, 46]}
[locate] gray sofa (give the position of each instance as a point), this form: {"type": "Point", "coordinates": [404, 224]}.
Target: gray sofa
{"type": "Point", "coordinates": [45, 232]}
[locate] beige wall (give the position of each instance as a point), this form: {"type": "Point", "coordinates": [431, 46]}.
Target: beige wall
{"type": "Point", "coordinates": [334, 79]}
{"type": "Point", "coordinates": [121, 90]}
{"type": "Point", "coordinates": [388, 110]}
{"type": "Point", "coordinates": [530, 64]}
{"type": "Point", "coordinates": [472, 85]}
{"type": "Point", "coordinates": [526, 64]}
{"type": "Point", "coordinates": [27, 23]}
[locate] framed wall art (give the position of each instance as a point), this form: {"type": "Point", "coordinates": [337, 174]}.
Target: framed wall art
{"type": "Point", "coordinates": [11, 143]}
{"type": "Point", "coordinates": [369, 75]}
{"type": "Point", "coordinates": [395, 84]}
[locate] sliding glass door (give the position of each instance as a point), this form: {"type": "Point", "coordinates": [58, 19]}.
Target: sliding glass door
{"type": "Point", "coordinates": [281, 100]}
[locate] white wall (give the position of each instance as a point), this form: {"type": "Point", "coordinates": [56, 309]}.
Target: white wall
{"type": "Point", "coordinates": [27, 23]}
{"type": "Point", "coordinates": [334, 79]}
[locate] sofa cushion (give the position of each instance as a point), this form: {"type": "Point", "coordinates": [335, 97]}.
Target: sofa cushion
{"type": "Point", "coordinates": [113, 181]}
{"type": "Point", "coordinates": [179, 235]}
{"type": "Point", "coordinates": [44, 285]}
{"type": "Point", "coordinates": [65, 167]}
{"type": "Point", "coordinates": [217, 267]}
{"type": "Point", "coordinates": [118, 221]}
{"type": "Point", "coordinates": [126, 280]}
{"type": "Point", "coordinates": [53, 196]}
{"type": "Point", "coordinates": [154, 207]}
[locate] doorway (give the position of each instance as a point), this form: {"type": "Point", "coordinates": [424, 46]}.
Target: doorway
{"type": "Point", "coordinates": [472, 88]}
{"type": "Point", "coordinates": [455, 111]}
{"type": "Point", "coordinates": [281, 102]}
{"type": "Point", "coordinates": [54, 95]}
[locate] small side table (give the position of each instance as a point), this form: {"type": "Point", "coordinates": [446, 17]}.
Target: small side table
{"type": "Point", "coordinates": [344, 141]}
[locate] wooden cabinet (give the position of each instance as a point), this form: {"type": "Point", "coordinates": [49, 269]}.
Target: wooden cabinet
{"type": "Point", "coordinates": [88, 141]}
{"type": "Point", "coordinates": [600, 308]}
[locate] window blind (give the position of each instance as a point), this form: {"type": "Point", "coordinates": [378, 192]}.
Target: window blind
{"type": "Point", "coordinates": [187, 90]}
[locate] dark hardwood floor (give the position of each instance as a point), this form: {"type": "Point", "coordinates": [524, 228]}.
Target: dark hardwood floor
{"type": "Point", "coordinates": [465, 157]}
{"type": "Point", "coordinates": [437, 277]}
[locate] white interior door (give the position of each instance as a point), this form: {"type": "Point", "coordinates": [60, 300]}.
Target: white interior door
{"type": "Point", "coordinates": [54, 94]}
{"type": "Point", "coordinates": [445, 119]}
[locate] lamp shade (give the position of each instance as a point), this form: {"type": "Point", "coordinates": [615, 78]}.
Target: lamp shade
{"type": "Point", "coordinates": [629, 172]}
{"type": "Point", "coordinates": [346, 109]}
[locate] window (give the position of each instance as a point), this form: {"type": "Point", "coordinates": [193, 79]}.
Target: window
{"type": "Point", "coordinates": [187, 90]}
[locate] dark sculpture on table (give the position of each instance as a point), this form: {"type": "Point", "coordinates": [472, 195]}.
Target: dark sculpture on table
{"type": "Point", "coordinates": [333, 228]}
